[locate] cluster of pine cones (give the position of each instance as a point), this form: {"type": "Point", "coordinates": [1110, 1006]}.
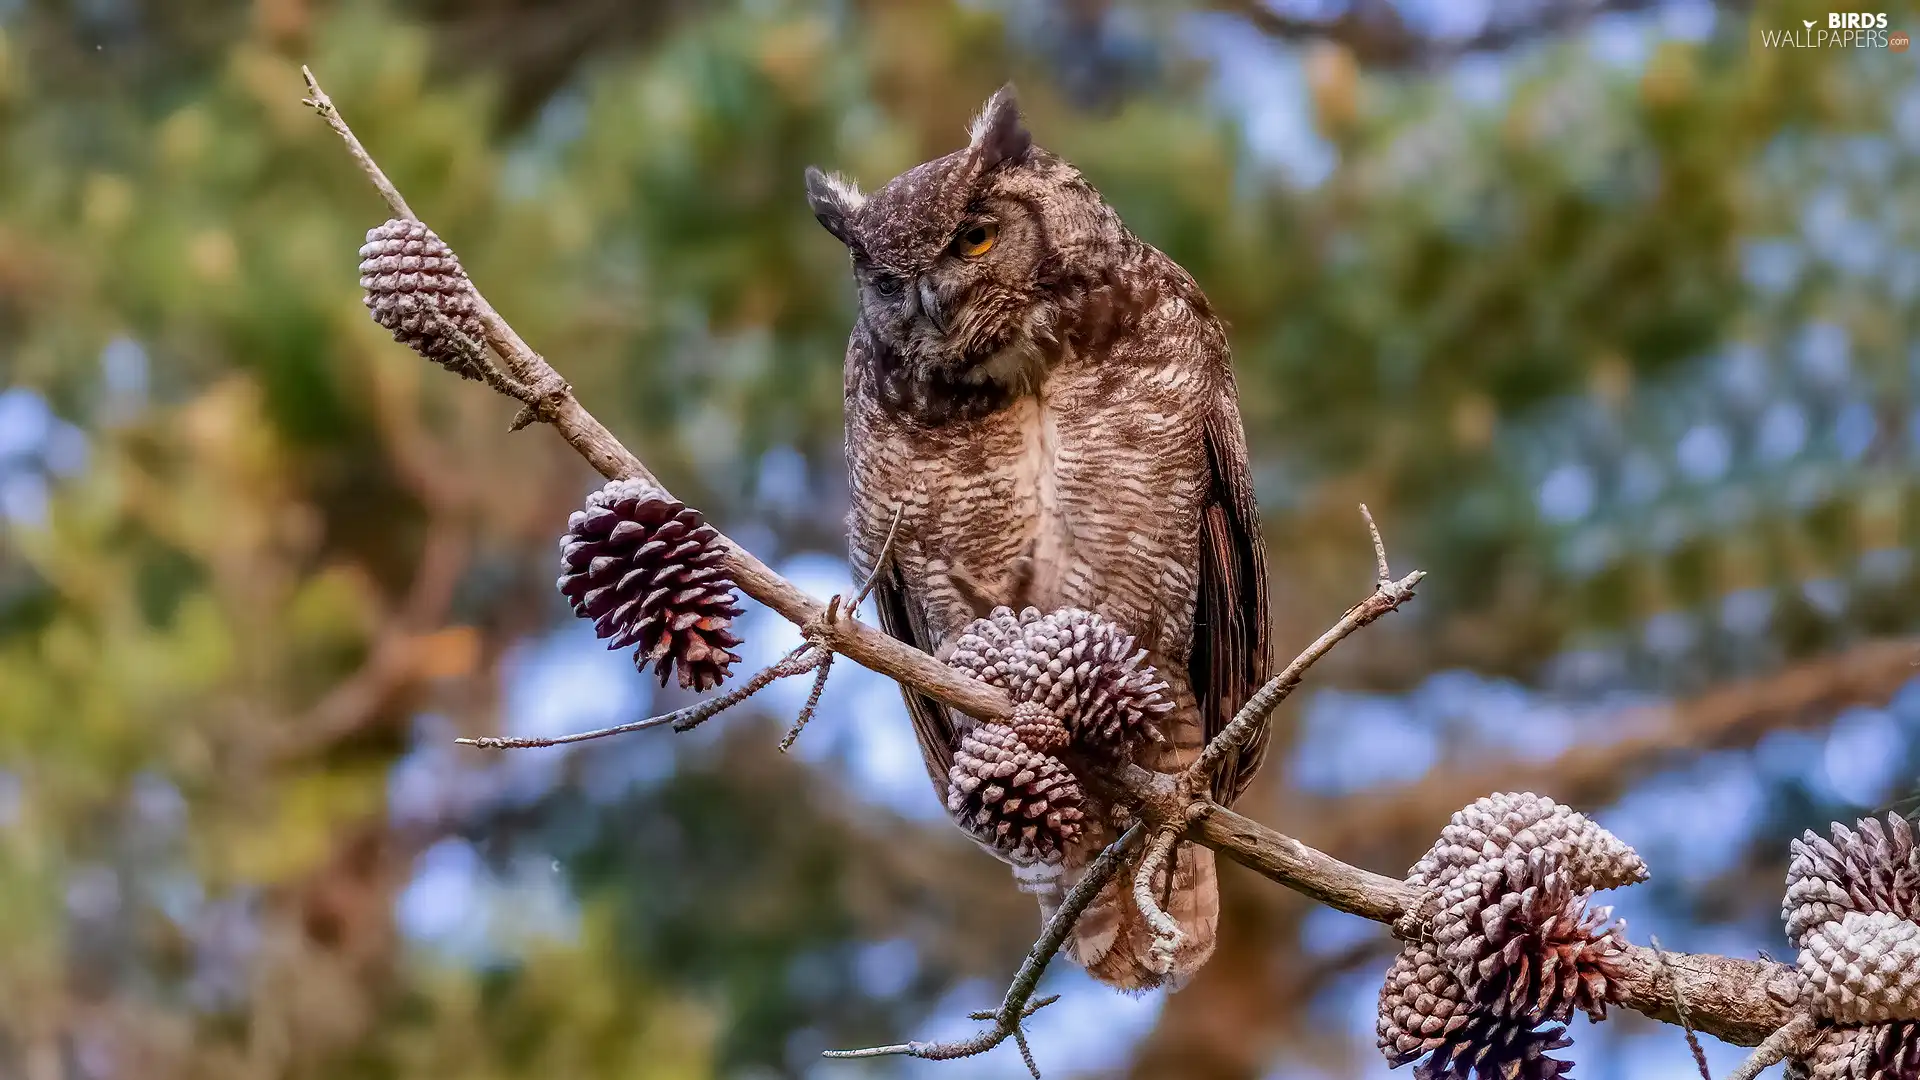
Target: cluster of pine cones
{"type": "Point", "coordinates": [647, 569]}
{"type": "Point", "coordinates": [1080, 687]}
{"type": "Point", "coordinates": [1511, 948]}
{"type": "Point", "coordinates": [1853, 909]}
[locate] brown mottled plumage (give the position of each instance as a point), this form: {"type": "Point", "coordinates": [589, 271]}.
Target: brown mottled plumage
{"type": "Point", "coordinates": [1056, 416]}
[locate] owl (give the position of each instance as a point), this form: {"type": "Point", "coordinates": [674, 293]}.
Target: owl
{"type": "Point", "coordinates": [1047, 403]}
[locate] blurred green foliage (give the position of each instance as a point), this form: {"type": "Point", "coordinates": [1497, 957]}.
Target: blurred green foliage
{"type": "Point", "coordinates": [1620, 352]}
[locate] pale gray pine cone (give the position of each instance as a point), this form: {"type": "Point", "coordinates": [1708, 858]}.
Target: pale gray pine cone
{"type": "Point", "coordinates": [1509, 942]}
{"type": "Point", "coordinates": [408, 274]}
{"type": "Point", "coordinates": [1889, 1051]}
{"type": "Point", "coordinates": [1022, 802]}
{"type": "Point", "coordinates": [1082, 667]}
{"type": "Point", "coordinates": [1531, 942]}
{"type": "Point", "coordinates": [1421, 1004]}
{"type": "Point", "coordinates": [1872, 867]}
{"type": "Point", "coordinates": [1534, 954]}
{"type": "Point", "coordinates": [1517, 823]}
{"type": "Point", "coordinates": [1864, 969]}
{"type": "Point", "coordinates": [647, 569]}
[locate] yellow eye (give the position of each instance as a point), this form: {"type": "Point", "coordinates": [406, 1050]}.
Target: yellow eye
{"type": "Point", "coordinates": [975, 241]}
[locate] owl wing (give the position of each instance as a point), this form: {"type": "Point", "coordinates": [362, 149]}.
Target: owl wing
{"type": "Point", "coordinates": [1229, 659]}
{"type": "Point", "coordinates": [879, 480]}
{"type": "Point", "coordinates": [931, 724]}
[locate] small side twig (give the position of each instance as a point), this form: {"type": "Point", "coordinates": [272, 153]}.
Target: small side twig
{"type": "Point", "coordinates": [1777, 1047]}
{"type": "Point", "coordinates": [1680, 1008]}
{"type": "Point", "coordinates": [826, 654]}
{"type": "Point", "coordinates": [880, 563]}
{"type": "Point", "coordinates": [318, 100]}
{"type": "Point", "coordinates": [1388, 595]}
{"type": "Point", "coordinates": [1014, 1006]}
{"type": "Point", "coordinates": [813, 702]}
{"type": "Point", "coordinates": [1379, 546]}
{"type": "Point", "coordinates": [547, 386]}
{"type": "Point", "coordinates": [1166, 931]}
{"type": "Point", "coordinates": [794, 663]}
{"type": "Point", "coordinates": [475, 353]}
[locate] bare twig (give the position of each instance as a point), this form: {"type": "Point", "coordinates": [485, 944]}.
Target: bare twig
{"type": "Point", "coordinates": [1166, 931]}
{"type": "Point", "coordinates": [1013, 1007]}
{"type": "Point", "coordinates": [826, 655]}
{"type": "Point", "coordinates": [475, 354]}
{"type": "Point", "coordinates": [813, 702]}
{"type": "Point", "coordinates": [794, 663]}
{"type": "Point", "coordinates": [1033, 1006]}
{"type": "Point", "coordinates": [1387, 595]}
{"type": "Point", "coordinates": [1379, 547]}
{"type": "Point", "coordinates": [1777, 1047]}
{"type": "Point", "coordinates": [1680, 1008]}
{"type": "Point", "coordinates": [1026, 1052]}
{"type": "Point", "coordinates": [318, 100]}
{"type": "Point", "coordinates": [879, 564]}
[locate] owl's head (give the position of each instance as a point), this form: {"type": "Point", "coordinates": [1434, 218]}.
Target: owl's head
{"type": "Point", "coordinates": [956, 259]}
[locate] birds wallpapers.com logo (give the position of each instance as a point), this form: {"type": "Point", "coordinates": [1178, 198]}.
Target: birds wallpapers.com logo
{"type": "Point", "coordinates": [1839, 30]}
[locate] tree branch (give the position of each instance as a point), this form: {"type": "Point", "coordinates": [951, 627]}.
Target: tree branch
{"type": "Point", "coordinates": [1378, 35]}
{"type": "Point", "coordinates": [1737, 1001]}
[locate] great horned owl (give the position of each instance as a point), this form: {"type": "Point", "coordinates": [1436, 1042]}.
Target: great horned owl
{"type": "Point", "coordinates": [1049, 403]}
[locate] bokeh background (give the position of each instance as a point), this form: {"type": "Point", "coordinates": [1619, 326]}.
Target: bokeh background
{"type": "Point", "coordinates": [1606, 310]}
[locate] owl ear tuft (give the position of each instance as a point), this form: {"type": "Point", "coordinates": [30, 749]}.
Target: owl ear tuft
{"type": "Point", "coordinates": [835, 200]}
{"type": "Point", "coordinates": [998, 134]}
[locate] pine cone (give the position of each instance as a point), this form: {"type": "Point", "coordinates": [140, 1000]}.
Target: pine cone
{"type": "Point", "coordinates": [647, 569]}
{"type": "Point", "coordinates": [1421, 1005]}
{"type": "Point", "coordinates": [1038, 728]}
{"type": "Point", "coordinates": [409, 274]}
{"type": "Point", "coordinates": [1082, 667]}
{"type": "Point", "coordinates": [1509, 942]}
{"type": "Point", "coordinates": [1507, 824]}
{"type": "Point", "coordinates": [1864, 969]}
{"type": "Point", "coordinates": [1879, 1052]}
{"type": "Point", "coordinates": [1853, 908]}
{"type": "Point", "coordinates": [1527, 941]}
{"type": "Point", "coordinates": [1876, 868]}
{"type": "Point", "coordinates": [1021, 801]}
{"type": "Point", "coordinates": [1498, 1048]}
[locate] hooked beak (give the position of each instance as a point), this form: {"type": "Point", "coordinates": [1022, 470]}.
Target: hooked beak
{"type": "Point", "coordinates": [930, 304]}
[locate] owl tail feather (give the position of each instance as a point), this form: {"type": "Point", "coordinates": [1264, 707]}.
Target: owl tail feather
{"type": "Point", "coordinates": [1113, 941]}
